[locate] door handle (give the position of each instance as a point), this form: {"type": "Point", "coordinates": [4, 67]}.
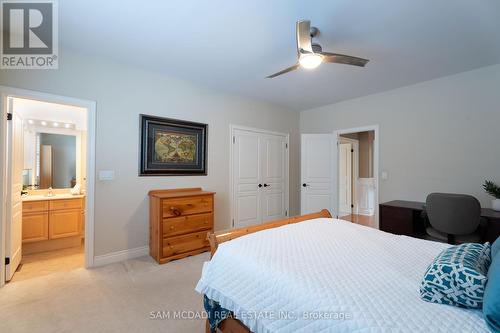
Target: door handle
{"type": "Point", "coordinates": [260, 185]}
{"type": "Point", "coordinates": [175, 211]}
{"type": "Point", "coordinates": [266, 185]}
{"type": "Point", "coordinates": [305, 185]}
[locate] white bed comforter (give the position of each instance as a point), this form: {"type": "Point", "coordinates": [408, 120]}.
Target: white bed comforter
{"type": "Point", "coordinates": [353, 278]}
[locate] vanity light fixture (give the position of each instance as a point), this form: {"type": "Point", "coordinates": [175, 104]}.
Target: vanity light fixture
{"type": "Point", "coordinates": [51, 123]}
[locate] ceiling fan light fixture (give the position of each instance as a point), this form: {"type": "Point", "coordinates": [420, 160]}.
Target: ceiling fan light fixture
{"type": "Point", "coordinates": [310, 60]}
{"type": "Point", "coordinates": [310, 55]}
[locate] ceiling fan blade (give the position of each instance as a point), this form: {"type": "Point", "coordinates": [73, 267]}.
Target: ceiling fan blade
{"type": "Point", "coordinates": [286, 70]}
{"type": "Point", "coordinates": [343, 59]}
{"type": "Point", "coordinates": [304, 36]}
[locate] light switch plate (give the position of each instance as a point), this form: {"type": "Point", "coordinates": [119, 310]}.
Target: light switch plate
{"type": "Point", "coordinates": [384, 175]}
{"type": "Point", "coordinates": [106, 174]}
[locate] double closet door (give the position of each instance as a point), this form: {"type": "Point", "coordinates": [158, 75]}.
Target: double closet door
{"type": "Point", "coordinates": [260, 177]}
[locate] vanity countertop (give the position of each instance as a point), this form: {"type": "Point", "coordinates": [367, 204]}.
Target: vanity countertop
{"type": "Point", "coordinates": [40, 197]}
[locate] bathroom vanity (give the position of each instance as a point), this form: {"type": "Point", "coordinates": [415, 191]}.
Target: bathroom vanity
{"type": "Point", "coordinates": [51, 223]}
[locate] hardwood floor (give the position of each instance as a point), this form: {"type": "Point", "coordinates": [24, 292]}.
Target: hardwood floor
{"type": "Point", "coordinates": [368, 221]}
{"type": "Point", "coordinates": [44, 263]}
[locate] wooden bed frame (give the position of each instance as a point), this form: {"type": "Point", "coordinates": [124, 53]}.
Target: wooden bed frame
{"type": "Point", "coordinates": [233, 325]}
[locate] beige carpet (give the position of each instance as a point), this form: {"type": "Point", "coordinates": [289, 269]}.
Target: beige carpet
{"type": "Point", "coordinates": [114, 298]}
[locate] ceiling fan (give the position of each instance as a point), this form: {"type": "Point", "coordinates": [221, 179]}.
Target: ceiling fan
{"type": "Point", "coordinates": [310, 55]}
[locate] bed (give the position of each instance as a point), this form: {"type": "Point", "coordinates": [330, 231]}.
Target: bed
{"type": "Point", "coordinates": [317, 274]}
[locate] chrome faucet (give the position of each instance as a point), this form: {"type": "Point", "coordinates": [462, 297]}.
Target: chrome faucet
{"type": "Point", "coordinates": [50, 193]}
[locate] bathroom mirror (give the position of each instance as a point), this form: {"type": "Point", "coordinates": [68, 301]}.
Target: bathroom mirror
{"type": "Point", "coordinates": [56, 161]}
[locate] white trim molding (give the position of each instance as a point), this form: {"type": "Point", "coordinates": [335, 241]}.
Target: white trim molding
{"type": "Point", "coordinates": [118, 256]}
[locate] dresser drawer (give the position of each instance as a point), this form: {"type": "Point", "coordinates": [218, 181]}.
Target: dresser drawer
{"type": "Point", "coordinates": [35, 206]}
{"type": "Point", "coordinates": [66, 204]}
{"type": "Point", "coordinates": [187, 206]}
{"type": "Point", "coordinates": [186, 224]}
{"type": "Point", "coordinates": [185, 243]}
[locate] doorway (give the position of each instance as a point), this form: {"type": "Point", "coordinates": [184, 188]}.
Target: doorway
{"type": "Point", "coordinates": [259, 176]}
{"type": "Point", "coordinates": [48, 182]}
{"type": "Point", "coordinates": [339, 172]}
{"type": "Point", "coordinates": [356, 176]}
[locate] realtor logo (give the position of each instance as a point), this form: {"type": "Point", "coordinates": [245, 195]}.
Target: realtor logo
{"type": "Point", "coordinates": [29, 36]}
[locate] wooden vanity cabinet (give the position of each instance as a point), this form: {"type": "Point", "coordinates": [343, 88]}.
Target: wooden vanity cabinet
{"type": "Point", "coordinates": [65, 223]}
{"type": "Point", "coordinates": [35, 227]}
{"type": "Point", "coordinates": [52, 219]}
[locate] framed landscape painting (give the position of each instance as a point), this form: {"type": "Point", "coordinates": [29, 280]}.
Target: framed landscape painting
{"type": "Point", "coordinates": [172, 147]}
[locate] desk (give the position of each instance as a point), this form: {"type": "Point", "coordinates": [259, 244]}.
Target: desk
{"type": "Point", "coordinates": [404, 218]}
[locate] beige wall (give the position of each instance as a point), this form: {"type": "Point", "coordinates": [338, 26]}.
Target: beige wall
{"type": "Point", "coordinates": [122, 93]}
{"type": "Point", "coordinates": [439, 135]}
{"type": "Point", "coordinates": [365, 153]}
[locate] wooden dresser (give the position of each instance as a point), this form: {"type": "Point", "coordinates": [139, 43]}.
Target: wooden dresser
{"type": "Point", "coordinates": [179, 220]}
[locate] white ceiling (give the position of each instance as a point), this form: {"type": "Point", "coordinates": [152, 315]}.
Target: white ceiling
{"type": "Point", "coordinates": [37, 110]}
{"type": "Point", "coordinates": [233, 44]}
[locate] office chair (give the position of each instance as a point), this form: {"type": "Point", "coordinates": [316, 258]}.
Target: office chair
{"type": "Point", "coordinates": [454, 218]}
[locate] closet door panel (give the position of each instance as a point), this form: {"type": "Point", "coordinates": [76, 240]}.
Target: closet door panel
{"type": "Point", "coordinates": [274, 174]}
{"type": "Point", "coordinates": [246, 178]}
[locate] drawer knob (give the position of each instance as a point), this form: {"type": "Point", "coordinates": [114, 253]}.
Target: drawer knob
{"type": "Point", "coordinates": [172, 227]}
{"type": "Point", "coordinates": [175, 211]}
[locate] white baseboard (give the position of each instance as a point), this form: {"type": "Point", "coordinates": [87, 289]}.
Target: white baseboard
{"type": "Point", "coordinates": [118, 256]}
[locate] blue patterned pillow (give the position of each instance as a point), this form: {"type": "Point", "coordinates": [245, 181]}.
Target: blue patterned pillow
{"type": "Point", "coordinates": [458, 276]}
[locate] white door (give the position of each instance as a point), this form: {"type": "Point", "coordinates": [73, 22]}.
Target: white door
{"type": "Point", "coordinates": [13, 235]}
{"type": "Point", "coordinates": [246, 178]}
{"type": "Point", "coordinates": [260, 177]}
{"type": "Point", "coordinates": [345, 179]}
{"type": "Point", "coordinates": [274, 177]}
{"type": "Point", "coordinates": [317, 170]}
